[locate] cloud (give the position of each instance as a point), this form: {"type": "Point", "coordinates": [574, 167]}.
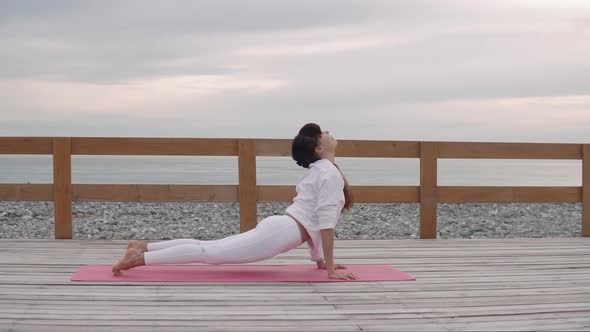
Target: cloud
{"type": "Point", "coordinates": [318, 48]}
{"type": "Point", "coordinates": [367, 69]}
{"type": "Point", "coordinates": [141, 96]}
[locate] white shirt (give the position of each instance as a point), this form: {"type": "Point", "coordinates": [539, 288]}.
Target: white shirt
{"type": "Point", "coordinates": [319, 202]}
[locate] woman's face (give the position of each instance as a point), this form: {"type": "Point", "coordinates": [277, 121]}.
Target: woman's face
{"type": "Point", "coordinates": [326, 145]}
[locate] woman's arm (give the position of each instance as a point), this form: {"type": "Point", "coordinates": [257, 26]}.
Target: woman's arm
{"type": "Point", "coordinates": [330, 192]}
{"type": "Point", "coordinates": [328, 247]}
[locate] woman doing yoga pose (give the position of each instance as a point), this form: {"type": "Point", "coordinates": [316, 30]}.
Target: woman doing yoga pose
{"type": "Point", "coordinates": [322, 195]}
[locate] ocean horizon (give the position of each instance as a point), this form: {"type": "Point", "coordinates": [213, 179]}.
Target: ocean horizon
{"type": "Point", "coordinates": [284, 171]}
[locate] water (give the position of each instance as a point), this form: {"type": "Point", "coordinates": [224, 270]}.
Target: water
{"type": "Point", "coordinates": [284, 171]}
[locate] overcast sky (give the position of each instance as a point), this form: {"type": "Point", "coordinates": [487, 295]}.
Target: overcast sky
{"type": "Point", "coordinates": [446, 70]}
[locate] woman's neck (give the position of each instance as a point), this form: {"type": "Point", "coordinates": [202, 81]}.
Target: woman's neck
{"type": "Point", "coordinates": [330, 156]}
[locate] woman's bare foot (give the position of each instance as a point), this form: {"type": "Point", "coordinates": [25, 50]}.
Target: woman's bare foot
{"type": "Point", "coordinates": [139, 245]}
{"type": "Point", "coordinates": [131, 259]}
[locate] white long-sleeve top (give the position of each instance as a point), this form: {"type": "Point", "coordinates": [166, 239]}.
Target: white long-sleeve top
{"type": "Point", "coordinates": [318, 204]}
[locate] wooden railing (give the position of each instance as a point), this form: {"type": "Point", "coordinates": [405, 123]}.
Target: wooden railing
{"type": "Point", "coordinates": [247, 193]}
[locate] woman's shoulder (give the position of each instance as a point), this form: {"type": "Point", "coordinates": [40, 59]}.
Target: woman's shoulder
{"type": "Point", "coordinates": [324, 169]}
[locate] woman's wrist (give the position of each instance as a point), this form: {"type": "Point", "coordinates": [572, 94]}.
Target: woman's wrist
{"type": "Point", "coordinates": [330, 268]}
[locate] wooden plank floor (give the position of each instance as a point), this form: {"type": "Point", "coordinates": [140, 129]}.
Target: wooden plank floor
{"type": "Point", "coordinates": [474, 285]}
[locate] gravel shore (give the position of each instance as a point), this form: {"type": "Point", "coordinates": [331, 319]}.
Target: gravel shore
{"type": "Point", "coordinates": [206, 221]}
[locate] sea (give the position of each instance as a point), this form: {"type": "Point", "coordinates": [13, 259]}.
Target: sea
{"type": "Point", "coordinates": [284, 171]}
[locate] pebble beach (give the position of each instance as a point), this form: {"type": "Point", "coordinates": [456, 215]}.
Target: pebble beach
{"type": "Point", "coordinates": [207, 221]}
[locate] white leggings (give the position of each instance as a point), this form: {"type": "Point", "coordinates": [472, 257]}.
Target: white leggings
{"type": "Point", "coordinates": [272, 236]}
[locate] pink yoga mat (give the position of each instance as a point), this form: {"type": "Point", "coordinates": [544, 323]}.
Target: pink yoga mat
{"type": "Point", "coordinates": [236, 273]}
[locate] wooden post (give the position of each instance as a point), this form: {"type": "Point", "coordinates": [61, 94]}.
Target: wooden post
{"type": "Point", "coordinates": [428, 192]}
{"type": "Point", "coordinates": [248, 194]}
{"type": "Point", "coordinates": [586, 190]}
{"type": "Point", "coordinates": [62, 187]}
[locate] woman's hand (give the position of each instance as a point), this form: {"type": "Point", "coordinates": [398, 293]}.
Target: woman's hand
{"type": "Point", "coordinates": [342, 275]}
{"type": "Point", "coordinates": [322, 265]}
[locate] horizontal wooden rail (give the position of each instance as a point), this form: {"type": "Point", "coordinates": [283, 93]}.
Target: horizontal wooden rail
{"type": "Point", "coordinates": [26, 145]}
{"type": "Point", "coordinates": [248, 193]}
{"type": "Point", "coordinates": [155, 146]}
{"type": "Point", "coordinates": [509, 194]}
{"type": "Point", "coordinates": [509, 150]}
{"type": "Point", "coordinates": [26, 192]}
{"type": "Point", "coordinates": [282, 147]}
{"type": "Point", "coordinates": [155, 193]}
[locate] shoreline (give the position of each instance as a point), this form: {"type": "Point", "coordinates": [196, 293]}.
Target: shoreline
{"type": "Point", "coordinates": [207, 221]}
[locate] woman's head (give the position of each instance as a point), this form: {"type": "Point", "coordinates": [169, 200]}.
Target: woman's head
{"type": "Point", "coordinates": [312, 144]}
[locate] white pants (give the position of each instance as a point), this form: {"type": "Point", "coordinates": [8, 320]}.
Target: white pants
{"type": "Point", "coordinates": [272, 236]}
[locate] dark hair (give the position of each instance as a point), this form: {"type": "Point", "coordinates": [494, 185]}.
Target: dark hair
{"type": "Point", "coordinates": [303, 152]}
{"type": "Point", "coordinates": [304, 144]}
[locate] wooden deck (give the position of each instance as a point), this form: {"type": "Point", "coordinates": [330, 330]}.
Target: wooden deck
{"type": "Point", "coordinates": [494, 284]}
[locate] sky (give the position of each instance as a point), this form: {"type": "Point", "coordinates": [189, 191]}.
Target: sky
{"type": "Point", "coordinates": [442, 70]}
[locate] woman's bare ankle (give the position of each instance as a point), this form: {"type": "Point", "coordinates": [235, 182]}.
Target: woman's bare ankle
{"type": "Point", "coordinates": [140, 259]}
{"type": "Point", "coordinates": [137, 245]}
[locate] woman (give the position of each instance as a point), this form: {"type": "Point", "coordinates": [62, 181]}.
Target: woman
{"type": "Point", "coordinates": [322, 194]}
